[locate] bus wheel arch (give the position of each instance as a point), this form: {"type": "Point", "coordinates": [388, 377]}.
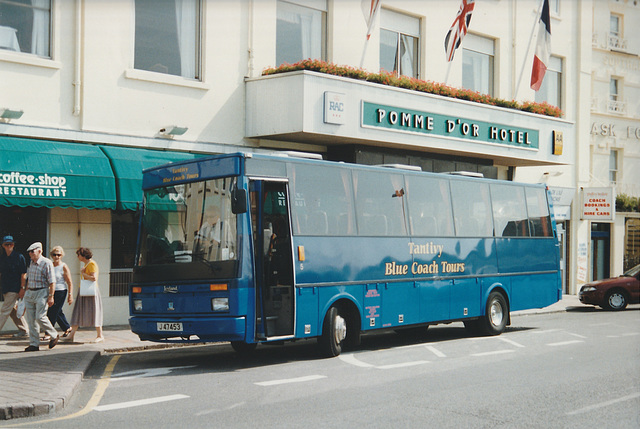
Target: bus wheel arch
{"type": "Point", "coordinates": [340, 327]}
{"type": "Point", "coordinates": [496, 316]}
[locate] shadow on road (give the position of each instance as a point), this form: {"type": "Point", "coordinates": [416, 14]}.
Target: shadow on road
{"type": "Point", "coordinates": [221, 358]}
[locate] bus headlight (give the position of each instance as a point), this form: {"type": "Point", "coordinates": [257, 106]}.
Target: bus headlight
{"type": "Point", "coordinates": [137, 305]}
{"type": "Point", "coordinates": [220, 304]}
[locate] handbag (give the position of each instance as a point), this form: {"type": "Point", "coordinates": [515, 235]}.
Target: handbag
{"type": "Point", "coordinates": [88, 287]}
{"type": "Point", "coordinates": [20, 309]}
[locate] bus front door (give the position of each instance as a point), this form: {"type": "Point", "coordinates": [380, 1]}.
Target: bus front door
{"type": "Point", "coordinates": [273, 259]}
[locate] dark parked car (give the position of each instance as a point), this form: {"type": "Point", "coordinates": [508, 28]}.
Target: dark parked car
{"type": "Point", "coordinates": [615, 293]}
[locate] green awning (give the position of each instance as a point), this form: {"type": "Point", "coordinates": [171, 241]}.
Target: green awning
{"type": "Point", "coordinates": [43, 173]}
{"type": "Point", "coordinates": [128, 163]}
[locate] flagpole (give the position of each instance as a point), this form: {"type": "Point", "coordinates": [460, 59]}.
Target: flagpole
{"type": "Point", "coordinates": [526, 56]}
{"type": "Point", "coordinates": [446, 78]}
{"type": "Point", "coordinates": [364, 51]}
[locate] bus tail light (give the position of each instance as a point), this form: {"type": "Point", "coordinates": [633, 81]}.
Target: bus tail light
{"type": "Point", "coordinates": [218, 287]}
{"type": "Point", "coordinates": [137, 305]}
{"type": "Point", "coordinates": [220, 304]}
{"type": "Point", "coordinates": [136, 289]}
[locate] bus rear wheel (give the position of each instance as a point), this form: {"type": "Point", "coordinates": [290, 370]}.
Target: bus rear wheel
{"type": "Point", "coordinates": [496, 315]}
{"type": "Point", "coordinates": [334, 331]}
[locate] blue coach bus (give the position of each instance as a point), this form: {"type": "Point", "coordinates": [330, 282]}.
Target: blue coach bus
{"type": "Point", "coordinates": [252, 248]}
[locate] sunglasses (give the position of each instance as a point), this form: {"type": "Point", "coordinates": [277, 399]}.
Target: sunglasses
{"type": "Point", "coordinates": [56, 254]}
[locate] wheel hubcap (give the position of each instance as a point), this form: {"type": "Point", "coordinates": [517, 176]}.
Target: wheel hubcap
{"type": "Point", "coordinates": [340, 332]}
{"type": "Point", "coordinates": [496, 315]}
{"type": "Point", "coordinates": [616, 300]}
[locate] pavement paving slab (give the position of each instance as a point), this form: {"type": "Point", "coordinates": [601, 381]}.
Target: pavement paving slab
{"type": "Point", "coordinates": [43, 382]}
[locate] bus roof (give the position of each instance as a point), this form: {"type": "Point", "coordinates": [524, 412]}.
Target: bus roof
{"type": "Point", "coordinates": [232, 164]}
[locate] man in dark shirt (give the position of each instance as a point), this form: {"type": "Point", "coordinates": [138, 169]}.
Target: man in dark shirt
{"type": "Point", "coordinates": [12, 268]}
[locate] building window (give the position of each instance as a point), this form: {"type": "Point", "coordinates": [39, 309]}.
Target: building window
{"type": "Point", "coordinates": [613, 90]}
{"type": "Point", "coordinates": [551, 89]}
{"type": "Point", "coordinates": [301, 30]}
{"type": "Point", "coordinates": [399, 43]}
{"type": "Point", "coordinates": [554, 7]}
{"type": "Point", "coordinates": [25, 26]}
{"type": "Point", "coordinates": [614, 25]}
{"type": "Point", "coordinates": [477, 64]}
{"type": "Point", "coordinates": [613, 167]}
{"type": "Point", "coordinates": [616, 40]}
{"type": "Point", "coordinates": [167, 38]}
{"type": "Point", "coordinates": [615, 104]}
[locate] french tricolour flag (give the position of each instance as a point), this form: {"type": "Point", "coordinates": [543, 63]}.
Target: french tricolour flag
{"type": "Point", "coordinates": [543, 47]}
{"type": "Point", "coordinates": [370, 9]}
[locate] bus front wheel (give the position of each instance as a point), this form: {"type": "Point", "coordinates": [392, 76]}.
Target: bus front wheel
{"type": "Point", "coordinates": [496, 315]}
{"type": "Point", "coordinates": [334, 331]}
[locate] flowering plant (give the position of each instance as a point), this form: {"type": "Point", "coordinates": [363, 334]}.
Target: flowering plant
{"type": "Point", "coordinates": [386, 78]}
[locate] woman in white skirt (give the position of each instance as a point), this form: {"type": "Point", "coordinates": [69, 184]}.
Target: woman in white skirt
{"type": "Point", "coordinates": [88, 309]}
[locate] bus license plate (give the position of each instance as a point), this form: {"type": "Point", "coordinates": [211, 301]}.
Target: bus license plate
{"type": "Point", "coordinates": [169, 326]}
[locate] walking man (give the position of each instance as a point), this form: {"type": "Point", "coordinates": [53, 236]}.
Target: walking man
{"type": "Point", "coordinates": [12, 269]}
{"type": "Point", "coordinates": [38, 297]}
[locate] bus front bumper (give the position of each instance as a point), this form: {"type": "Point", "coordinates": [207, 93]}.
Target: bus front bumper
{"type": "Point", "coordinates": [188, 329]}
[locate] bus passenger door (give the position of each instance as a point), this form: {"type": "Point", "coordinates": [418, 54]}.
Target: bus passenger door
{"type": "Point", "coordinates": [273, 259]}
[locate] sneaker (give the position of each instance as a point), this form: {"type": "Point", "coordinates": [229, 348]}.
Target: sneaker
{"type": "Point", "coordinates": [32, 349]}
{"type": "Point", "coordinates": [53, 342]}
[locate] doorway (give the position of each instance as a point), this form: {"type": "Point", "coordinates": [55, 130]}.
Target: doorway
{"type": "Point", "coordinates": [273, 259]}
{"type": "Point", "coordinates": [27, 225]}
{"type": "Point", "coordinates": [600, 250]}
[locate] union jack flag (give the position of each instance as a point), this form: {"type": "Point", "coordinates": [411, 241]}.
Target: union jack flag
{"type": "Point", "coordinates": [458, 28]}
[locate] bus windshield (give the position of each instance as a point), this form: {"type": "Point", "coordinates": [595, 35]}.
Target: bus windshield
{"type": "Point", "coordinates": [189, 224]}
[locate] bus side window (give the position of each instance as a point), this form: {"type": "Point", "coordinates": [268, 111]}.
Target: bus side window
{"type": "Point", "coordinates": [323, 200]}
{"type": "Point", "coordinates": [539, 217]}
{"type": "Point", "coordinates": [472, 209]}
{"type": "Point", "coordinates": [429, 206]}
{"type": "Point", "coordinates": [509, 211]}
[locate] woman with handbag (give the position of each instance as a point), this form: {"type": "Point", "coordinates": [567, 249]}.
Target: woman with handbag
{"type": "Point", "coordinates": [88, 308]}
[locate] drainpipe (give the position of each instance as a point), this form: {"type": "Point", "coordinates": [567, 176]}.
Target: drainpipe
{"type": "Point", "coordinates": [250, 41]}
{"type": "Point", "coordinates": [77, 69]}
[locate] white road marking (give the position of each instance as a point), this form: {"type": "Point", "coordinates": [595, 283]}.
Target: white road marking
{"type": "Point", "coordinates": [404, 364]}
{"type": "Point", "coordinates": [138, 403]}
{"type": "Point", "coordinates": [628, 334]}
{"type": "Point", "coordinates": [149, 372]}
{"type": "Point", "coordinates": [508, 341]}
{"type": "Point", "coordinates": [496, 352]}
{"type": "Point", "coordinates": [290, 380]}
{"type": "Point", "coordinates": [604, 404]}
{"type": "Point", "coordinates": [217, 410]}
{"type": "Point", "coordinates": [565, 343]}
{"type": "Point", "coordinates": [351, 359]}
{"type": "Point", "coordinates": [436, 351]}
{"type": "Point", "coordinates": [545, 331]}
{"type": "Point", "coordinates": [576, 335]}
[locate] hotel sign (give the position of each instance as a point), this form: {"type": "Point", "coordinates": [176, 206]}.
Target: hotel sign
{"type": "Point", "coordinates": [418, 122]}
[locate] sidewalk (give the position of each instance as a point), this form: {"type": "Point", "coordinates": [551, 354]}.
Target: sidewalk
{"type": "Point", "coordinates": [43, 382]}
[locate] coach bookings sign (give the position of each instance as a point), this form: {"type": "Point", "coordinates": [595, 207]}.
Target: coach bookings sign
{"type": "Point", "coordinates": [418, 122]}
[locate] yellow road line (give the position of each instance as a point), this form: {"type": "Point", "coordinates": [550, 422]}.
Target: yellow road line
{"type": "Point", "coordinates": [103, 383]}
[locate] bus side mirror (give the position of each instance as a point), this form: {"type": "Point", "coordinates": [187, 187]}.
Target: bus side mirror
{"type": "Point", "coordinates": [238, 201]}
